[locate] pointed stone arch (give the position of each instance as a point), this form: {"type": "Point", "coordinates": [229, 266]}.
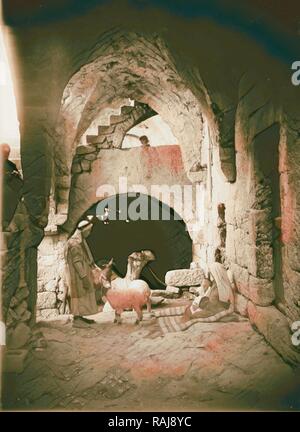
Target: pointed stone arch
{"type": "Point", "coordinates": [128, 65]}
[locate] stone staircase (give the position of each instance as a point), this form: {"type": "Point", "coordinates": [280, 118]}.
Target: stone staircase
{"type": "Point", "coordinates": [111, 136]}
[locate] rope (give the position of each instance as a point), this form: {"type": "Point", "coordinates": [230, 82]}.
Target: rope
{"type": "Point", "coordinates": [155, 276]}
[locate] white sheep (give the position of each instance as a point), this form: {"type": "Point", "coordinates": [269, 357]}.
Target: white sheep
{"type": "Point", "coordinates": [125, 293]}
{"type": "Point", "coordinates": [134, 296]}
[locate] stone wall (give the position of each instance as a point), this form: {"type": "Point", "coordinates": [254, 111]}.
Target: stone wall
{"type": "Point", "coordinates": [51, 271]}
{"type": "Point", "coordinates": [290, 237]}
{"type": "Point", "coordinates": [94, 168]}
{"type": "Point", "coordinates": [252, 223]}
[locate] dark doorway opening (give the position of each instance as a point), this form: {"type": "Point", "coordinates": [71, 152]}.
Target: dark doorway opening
{"type": "Point", "coordinates": [168, 239]}
{"type": "Point", "coordinates": [266, 153]}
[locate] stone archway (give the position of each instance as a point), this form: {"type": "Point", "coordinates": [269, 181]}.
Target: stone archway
{"type": "Point", "coordinates": [157, 171]}
{"type": "Point", "coordinates": [122, 71]}
{"type": "Point", "coordinates": [128, 66]}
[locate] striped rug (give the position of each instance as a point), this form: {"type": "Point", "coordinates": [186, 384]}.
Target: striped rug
{"type": "Point", "coordinates": [170, 320]}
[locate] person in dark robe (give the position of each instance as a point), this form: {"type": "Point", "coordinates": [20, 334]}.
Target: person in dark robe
{"type": "Point", "coordinates": [79, 275]}
{"type": "Point", "coordinates": [12, 184]}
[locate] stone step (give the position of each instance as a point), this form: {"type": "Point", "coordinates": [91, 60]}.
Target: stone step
{"type": "Point", "coordinates": [85, 149]}
{"type": "Point", "coordinates": [117, 119]}
{"type": "Point", "coordinates": [126, 109]}
{"type": "Point", "coordinates": [106, 130]}
{"type": "Point", "coordinates": [94, 139]}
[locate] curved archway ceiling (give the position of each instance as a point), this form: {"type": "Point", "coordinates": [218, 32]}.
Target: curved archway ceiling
{"type": "Point", "coordinates": [130, 66]}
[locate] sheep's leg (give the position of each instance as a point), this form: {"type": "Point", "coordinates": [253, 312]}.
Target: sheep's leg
{"type": "Point", "coordinates": [117, 317]}
{"type": "Point", "coordinates": [139, 313]}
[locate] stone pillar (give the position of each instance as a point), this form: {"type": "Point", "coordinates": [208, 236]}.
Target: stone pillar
{"type": "Point", "coordinates": [25, 232]}
{"type": "Point", "coordinates": [36, 155]}
{"type": "Point", "coordinates": [51, 271]}
{"type": "Point", "coordinates": [19, 276]}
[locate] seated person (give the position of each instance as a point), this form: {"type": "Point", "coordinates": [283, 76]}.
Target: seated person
{"type": "Point", "coordinates": [207, 303]}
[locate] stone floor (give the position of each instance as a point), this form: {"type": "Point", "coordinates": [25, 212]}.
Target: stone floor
{"type": "Point", "coordinates": [224, 366]}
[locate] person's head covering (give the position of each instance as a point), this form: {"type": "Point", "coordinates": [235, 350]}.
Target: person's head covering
{"type": "Point", "coordinates": [144, 140]}
{"type": "Point", "coordinates": [5, 150]}
{"type": "Point", "coordinates": [89, 220]}
{"type": "Point", "coordinates": [82, 224]}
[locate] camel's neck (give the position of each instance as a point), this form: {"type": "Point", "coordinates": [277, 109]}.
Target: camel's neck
{"type": "Point", "coordinates": [134, 269]}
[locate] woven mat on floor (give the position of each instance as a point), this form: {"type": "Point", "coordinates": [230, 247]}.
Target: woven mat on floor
{"type": "Point", "coordinates": [170, 320]}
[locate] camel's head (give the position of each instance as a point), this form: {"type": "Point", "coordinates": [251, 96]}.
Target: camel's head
{"type": "Point", "coordinates": [143, 257]}
{"type": "Point", "coordinates": [148, 255]}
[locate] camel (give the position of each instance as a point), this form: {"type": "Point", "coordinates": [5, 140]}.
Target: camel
{"type": "Point", "coordinates": [135, 265]}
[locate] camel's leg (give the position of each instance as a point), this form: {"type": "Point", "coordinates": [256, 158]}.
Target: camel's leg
{"type": "Point", "coordinates": [149, 305]}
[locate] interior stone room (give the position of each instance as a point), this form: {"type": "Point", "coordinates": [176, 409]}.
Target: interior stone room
{"type": "Point", "coordinates": [222, 119]}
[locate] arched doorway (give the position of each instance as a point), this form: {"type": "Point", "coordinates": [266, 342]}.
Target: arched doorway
{"type": "Point", "coordinates": [119, 237]}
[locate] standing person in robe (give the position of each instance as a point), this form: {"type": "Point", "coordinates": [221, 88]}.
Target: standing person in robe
{"type": "Point", "coordinates": [80, 265]}
{"type": "Point", "coordinates": [11, 186]}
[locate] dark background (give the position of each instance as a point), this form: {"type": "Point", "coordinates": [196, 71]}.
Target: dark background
{"type": "Point", "coordinates": [275, 21]}
{"type": "Point", "coordinates": [168, 239]}
{"type": "Point", "coordinates": [284, 14]}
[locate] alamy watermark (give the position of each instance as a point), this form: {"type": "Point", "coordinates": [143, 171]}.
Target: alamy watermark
{"type": "Point", "coordinates": [171, 202]}
{"type": "Point", "coordinates": [295, 327]}
{"type": "Point", "coordinates": [296, 75]}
